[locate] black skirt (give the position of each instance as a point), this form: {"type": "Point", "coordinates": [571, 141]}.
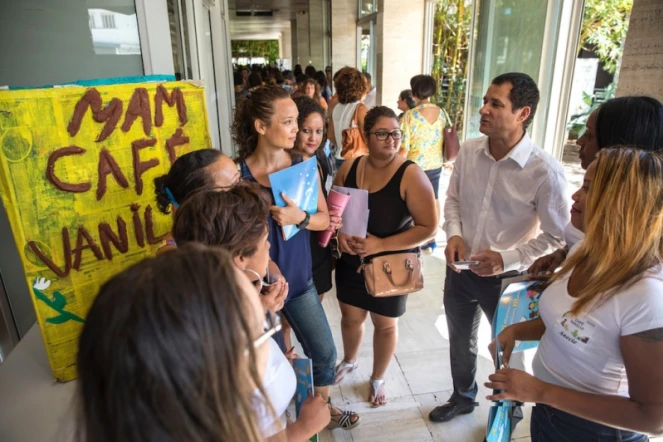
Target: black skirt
{"type": "Point", "coordinates": [351, 290]}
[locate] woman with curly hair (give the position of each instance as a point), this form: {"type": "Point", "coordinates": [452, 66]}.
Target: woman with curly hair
{"type": "Point", "coordinates": [311, 89]}
{"type": "Point", "coordinates": [311, 122]}
{"type": "Point", "coordinates": [265, 129]}
{"type": "Point", "coordinates": [350, 90]}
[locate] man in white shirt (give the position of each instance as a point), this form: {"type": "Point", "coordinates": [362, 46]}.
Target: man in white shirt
{"type": "Point", "coordinates": [505, 207]}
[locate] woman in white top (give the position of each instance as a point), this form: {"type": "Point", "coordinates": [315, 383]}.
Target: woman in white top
{"type": "Point", "coordinates": [350, 91]}
{"type": "Point", "coordinates": [178, 348]}
{"type": "Point", "coordinates": [632, 121]}
{"type": "Point", "coordinates": [597, 371]}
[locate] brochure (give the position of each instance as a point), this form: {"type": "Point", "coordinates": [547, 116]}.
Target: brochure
{"type": "Point", "coordinates": [355, 216]}
{"type": "Point", "coordinates": [304, 373]}
{"type": "Point", "coordinates": [300, 184]}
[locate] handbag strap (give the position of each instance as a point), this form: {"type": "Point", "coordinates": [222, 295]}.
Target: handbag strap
{"type": "Point", "coordinates": [448, 118]}
{"type": "Point", "coordinates": [408, 266]}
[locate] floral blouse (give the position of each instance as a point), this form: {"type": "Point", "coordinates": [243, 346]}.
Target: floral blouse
{"type": "Point", "coordinates": [422, 140]}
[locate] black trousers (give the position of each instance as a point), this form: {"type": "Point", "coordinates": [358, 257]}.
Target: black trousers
{"type": "Point", "coordinates": [466, 295]}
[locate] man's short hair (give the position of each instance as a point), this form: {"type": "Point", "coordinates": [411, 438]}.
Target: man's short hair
{"type": "Point", "coordinates": [524, 92]}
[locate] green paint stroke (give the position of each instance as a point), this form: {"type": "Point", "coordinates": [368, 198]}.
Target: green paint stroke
{"type": "Point", "coordinates": [58, 304]}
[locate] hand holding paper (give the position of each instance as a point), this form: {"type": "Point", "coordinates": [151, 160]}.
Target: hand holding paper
{"type": "Point", "coordinates": [288, 215]}
{"type": "Point", "coordinates": [355, 216]}
{"type": "Point", "coordinates": [336, 202]}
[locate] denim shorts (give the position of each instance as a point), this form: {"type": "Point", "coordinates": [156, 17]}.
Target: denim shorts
{"type": "Point", "coordinates": [309, 322]}
{"type": "Point", "coordinates": [549, 424]}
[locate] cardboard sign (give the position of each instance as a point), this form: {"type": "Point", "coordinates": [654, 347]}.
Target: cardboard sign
{"type": "Point", "coordinates": [77, 166]}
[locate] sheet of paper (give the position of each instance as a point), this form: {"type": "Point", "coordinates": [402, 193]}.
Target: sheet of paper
{"type": "Point", "coordinates": [355, 216]}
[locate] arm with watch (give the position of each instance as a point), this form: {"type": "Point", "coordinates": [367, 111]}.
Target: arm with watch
{"type": "Point", "coordinates": [291, 214]}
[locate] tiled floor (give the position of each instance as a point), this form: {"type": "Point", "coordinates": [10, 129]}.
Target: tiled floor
{"type": "Point", "coordinates": [418, 378]}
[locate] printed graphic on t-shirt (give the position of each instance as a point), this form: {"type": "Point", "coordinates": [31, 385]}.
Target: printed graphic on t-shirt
{"type": "Point", "coordinates": [576, 330]}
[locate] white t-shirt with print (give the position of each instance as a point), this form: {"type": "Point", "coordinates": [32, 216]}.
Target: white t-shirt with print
{"type": "Point", "coordinates": [583, 353]}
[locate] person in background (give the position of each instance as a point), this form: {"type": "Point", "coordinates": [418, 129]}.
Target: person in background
{"type": "Point", "coordinates": [505, 207]}
{"type": "Point", "coordinates": [311, 122]}
{"type": "Point", "coordinates": [350, 89]}
{"type": "Point", "coordinates": [310, 71]}
{"type": "Point", "coordinates": [311, 89]}
{"type": "Point", "coordinates": [255, 82]}
{"type": "Point", "coordinates": [402, 216]}
{"type": "Point", "coordinates": [265, 129]}
{"type": "Point", "coordinates": [238, 81]}
{"type": "Point", "coordinates": [405, 102]}
{"type": "Point", "coordinates": [371, 92]}
{"type": "Point", "coordinates": [334, 99]}
{"type": "Point", "coordinates": [633, 121]}
{"type": "Point", "coordinates": [177, 346]}
{"type": "Point", "coordinates": [328, 74]}
{"type": "Point", "coordinates": [298, 70]}
{"type": "Point", "coordinates": [325, 90]}
{"type": "Point", "coordinates": [289, 83]}
{"type": "Point", "coordinates": [597, 369]}
{"type": "Point", "coordinates": [423, 139]}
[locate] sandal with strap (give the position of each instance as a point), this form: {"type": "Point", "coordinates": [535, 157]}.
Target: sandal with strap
{"type": "Point", "coordinates": [375, 385]}
{"type": "Point", "coordinates": [343, 420]}
{"type": "Point", "coordinates": [343, 369]}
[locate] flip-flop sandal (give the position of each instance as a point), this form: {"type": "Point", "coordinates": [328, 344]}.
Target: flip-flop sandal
{"type": "Point", "coordinates": [344, 420]}
{"type": "Point", "coordinates": [375, 385]}
{"type": "Point", "coordinates": [343, 369]}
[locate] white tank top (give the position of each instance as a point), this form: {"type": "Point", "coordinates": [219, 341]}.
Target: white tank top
{"type": "Point", "coordinates": [342, 117]}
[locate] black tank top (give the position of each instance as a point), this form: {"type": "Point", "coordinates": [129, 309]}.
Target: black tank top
{"type": "Point", "coordinates": [388, 212]}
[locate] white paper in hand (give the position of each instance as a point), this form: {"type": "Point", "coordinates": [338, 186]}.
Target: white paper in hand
{"type": "Point", "coordinates": [355, 216]}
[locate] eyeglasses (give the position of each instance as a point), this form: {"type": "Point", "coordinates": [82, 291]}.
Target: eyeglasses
{"type": "Point", "coordinates": [272, 326]}
{"type": "Point", "coordinates": [383, 135]}
{"type": "Point", "coordinates": [257, 281]}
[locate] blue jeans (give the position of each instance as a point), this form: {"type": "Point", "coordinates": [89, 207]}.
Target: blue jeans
{"type": "Point", "coordinates": [549, 424]}
{"type": "Point", "coordinates": [309, 322]}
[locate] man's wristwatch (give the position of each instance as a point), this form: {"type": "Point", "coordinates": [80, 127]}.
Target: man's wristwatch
{"type": "Point", "coordinates": [304, 224]}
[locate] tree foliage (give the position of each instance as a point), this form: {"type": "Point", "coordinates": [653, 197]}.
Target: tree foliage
{"type": "Point", "coordinates": [604, 28]}
{"type": "Point", "coordinates": [451, 34]}
{"type": "Point", "coordinates": [269, 49]}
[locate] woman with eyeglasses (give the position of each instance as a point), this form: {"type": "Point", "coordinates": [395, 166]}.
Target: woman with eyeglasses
{"type": "Point", "coordinates": [423, 139]}
{"type": "Point", "coordinates": [190, 173]}
{"type": "Point", "coordinates": [177, 348]}
{"type": "Point", "coordinates": [209, 169]}
{"type": "Point", "coordinates": [402, 216]}
{"type": "Point", "coordinates": [265, 129]}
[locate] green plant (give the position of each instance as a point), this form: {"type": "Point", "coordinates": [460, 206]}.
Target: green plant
{"type": "Point", "coordinates": [451, 35]}
{"type": "Point", "coordinates": [268, 49]}
{"type": "Point", "coordinates": [604, 27]}
{"type": "Point", "coordinates": [576, 125]}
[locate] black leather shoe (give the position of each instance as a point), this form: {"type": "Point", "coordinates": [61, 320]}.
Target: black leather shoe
{"type": "Point", "coordinates": [450, 410]}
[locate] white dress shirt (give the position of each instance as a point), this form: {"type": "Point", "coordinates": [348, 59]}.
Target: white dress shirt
{"type": "Point", "coordinates": [515, 206]}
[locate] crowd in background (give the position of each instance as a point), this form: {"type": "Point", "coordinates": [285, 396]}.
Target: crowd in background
{"type": "Point", "coordinates": [195, 344]}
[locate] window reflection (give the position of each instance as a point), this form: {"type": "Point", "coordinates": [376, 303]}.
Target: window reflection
{"type": "Point", "coordinates": [113, 32]}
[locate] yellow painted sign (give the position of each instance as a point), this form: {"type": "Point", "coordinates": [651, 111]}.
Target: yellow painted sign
{"type": "Point", "coordinates": [77, 167]}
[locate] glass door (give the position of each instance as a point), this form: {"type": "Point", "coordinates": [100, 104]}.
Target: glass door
{"type": "Point", "coordinates": [537, 37]}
